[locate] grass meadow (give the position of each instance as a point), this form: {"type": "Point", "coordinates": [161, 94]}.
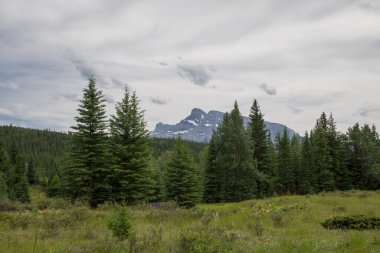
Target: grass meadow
{"type": "Point", "coordinates": [278, 224]}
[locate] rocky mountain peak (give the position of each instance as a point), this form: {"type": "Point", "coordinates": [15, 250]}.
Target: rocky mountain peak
{"type": "Point", "coordinates": [199, 126]}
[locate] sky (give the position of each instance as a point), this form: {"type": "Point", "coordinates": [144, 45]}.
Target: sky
{"type": "Point", "coordinates": [296, 57]}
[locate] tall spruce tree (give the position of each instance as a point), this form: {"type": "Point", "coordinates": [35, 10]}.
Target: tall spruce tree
{"type": "Point", "coordinates": [259, 137]}
{"type": "Point", "coordinates": [322, 161]}
{"type": "Point", "coordinates": [31, 172]}
{"type": "Point", "coordinates": [87, 170]}
{"type": "Point", "coordinates": [285, 169]}
{"type": "Point", "coordinates": [132, 177]}
{"type": "Point", "coordinates": [235, 159]}
{"type": "Point", "coordinates": [212, 187]}
{"type": "Point", "coordinates": [182, 185]}
{"type": "Point", "coordinates": [305, 172]}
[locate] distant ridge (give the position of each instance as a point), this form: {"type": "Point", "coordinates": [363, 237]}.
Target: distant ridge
{"type": "Point", "coordinates": [198, 127]}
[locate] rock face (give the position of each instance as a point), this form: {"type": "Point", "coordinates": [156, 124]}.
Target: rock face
{"type": "Point", "coordinates": [198, 126]}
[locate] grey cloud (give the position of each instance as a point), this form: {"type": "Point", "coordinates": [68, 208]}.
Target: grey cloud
{"type": "Point", "coordinates": [159, 101]}
{"type": "Point", "coordinates": [81, 65]}
{"type": "Point", "coordinates": [69, 96]}
{"type": "Point", "coordinates": [195, 74]}
{"type": "Point", "coordinates": [116, 83]}
{"type": "Point", "coordinates": [163, 63]}
{"type": "Point", "coordinates": [366, 112]}
{"type": "Point", "coordinates": [270, 90]}
{"type": "Point", "coordinates": [109, 99]}
{"type": "Point", "coordinates": [295, 110]}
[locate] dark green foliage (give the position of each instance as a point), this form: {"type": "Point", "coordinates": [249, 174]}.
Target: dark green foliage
{"type": "Point", "coordinates": [287, 177]}
{"type": "Point", "coordinates": [3, 187]}
{"type": "Point", "coordinates": [160, 146]}
{"type": "Point", "coordinates": [182, 185]}
{"type": "Point", "coordinates": [212, 184]}
{"type": "Point", "coordinates": [120, 224]}
{"type": "Point", "coordinates": [44, 147]}
{"type": "Point", "coordinates": [355, 222]}
{"type": "Point", "coordinates": [31, 172]}
{"type": "Point", "coordinates": [88, 168]}
{"type": "Point", "coordinates": [231, 166]}
{"type": "Point", "coordinates": [21, 189]}
{"type": "Point", "coordinates": [259, 137]}
{"type": "Point", "coordinates": [132, 178]}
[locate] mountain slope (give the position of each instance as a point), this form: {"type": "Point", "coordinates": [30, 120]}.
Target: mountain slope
{"type": "Point", "coordinates": [198, 126]}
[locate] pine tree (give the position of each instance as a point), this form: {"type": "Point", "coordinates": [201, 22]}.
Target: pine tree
{"type": "Point", "coordinates": [3, 187]}
{"type": "Point", "coordinates": [286, 173]}
{"type": "Point", "coordinates": [181, 184]}
{"type": "Point", "coordinates": [132, 177]}
{"type": "Point", "coordinates": [259, 137]}
{"type": "Point", "coordinates": [235, 159]}
{"type": "Point", "coordinates": [323, 164]}
{"type": "Point", "coordinates": [21, 189]}
{"type": "Point", "coordinates": [31, 172]}
{"type": "Point", "coordinates": [212, 185]}
{"type": "Point", "coordinates": [295, 160]}
{"type": "Point", "coordinates": [9, 173]}
{"type": "Point", "coordinates": [87, 170]}
{"type": "Point", "coordinates": [305, 171]}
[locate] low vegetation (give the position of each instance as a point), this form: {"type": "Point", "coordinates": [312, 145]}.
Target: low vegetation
{"type": "Point", "coordinates": [277, 224]}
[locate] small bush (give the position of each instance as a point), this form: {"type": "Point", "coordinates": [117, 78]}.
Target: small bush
{"type": "Point", "coordinates": [120, 224]}
{"type": "Point", "coordinates": [355, 222]}
{"type": "Point", "coordinates": [278, 219]}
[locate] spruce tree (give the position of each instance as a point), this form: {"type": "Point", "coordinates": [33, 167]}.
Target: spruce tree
{"type": "Point", "coordinates": [181, 184]}
{"type": "Point", "coordinates": [8, 171]}
{"type": "Point", "coordinates": [259, 137]}
{"type": "Point", "coordinates": [31, 172]}
{"type": "Point", "coordinates": [212, 186]}
{"type": "Point", "coordinates": [285, 169]}
{"type": "Point", "coordinates": [21, 189]}
{"type": "Point", "coordinates": [235, 160]}
{"type": "Point", "coordinates": [132, 178]}
{"type": "Point", "coordinates": [87, 170]}
{"type": "Point", "coordinates": [322, 162]}
{"type": "Point", "coordinates": [3, 187]}
{"type": "Point", "coordinates": [305, 172]}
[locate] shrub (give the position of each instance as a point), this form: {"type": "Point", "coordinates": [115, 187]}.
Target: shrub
{"type": "Point", "coordinates": [120, 224]}
{"type": "Point", "coordinates": [356, 222]}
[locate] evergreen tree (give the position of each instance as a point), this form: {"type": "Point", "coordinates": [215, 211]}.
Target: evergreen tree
{"type": "Point", "coordinates": [295, 160]}
{"type": "Point", "coordinates": [235, 159]}
{"type": "Point", "coordinates": [305, 172]}
{"type": "Point", "coordinates": [21, 189]}
{"type": "Point", "coordinates": [132, 177]}
{"type": "Point", "coordinates": [212, 185]}
{"type": "Point", "coordinates": [259, 137]}
{"type": "Point", "coordinates": [31, 172]}
{"type": "Point", "coordinates": [9, 173]}
{"type": "Point", "coordinates": [323, 164]}
{"type": "Point", "coordinates": [182, 185]}
{"type": "Point", "coordinates": [3, 187]}
{"type": "Point", "coordinates": [87, 170]}
{"type": "Point", "coordinates": [286, 173]}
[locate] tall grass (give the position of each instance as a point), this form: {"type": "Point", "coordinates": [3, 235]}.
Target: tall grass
{"type": "Point", "coordinates": [280, 224]}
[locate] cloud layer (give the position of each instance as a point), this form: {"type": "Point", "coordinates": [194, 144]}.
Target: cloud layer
{"type": "Point", "coordinates": [298, 58]}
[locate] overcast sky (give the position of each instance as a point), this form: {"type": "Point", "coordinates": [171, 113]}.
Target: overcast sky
{"type": "Point", "coordinates": [297, 58]}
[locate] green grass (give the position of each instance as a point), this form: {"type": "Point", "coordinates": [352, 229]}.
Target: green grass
{"type": "Point", "coordinates": [279, 224]}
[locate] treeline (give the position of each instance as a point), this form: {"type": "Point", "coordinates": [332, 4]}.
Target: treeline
{"type": "Point", "coordinates": [245, 163]}
{"type": "Point", "coordinates": [114, 160]}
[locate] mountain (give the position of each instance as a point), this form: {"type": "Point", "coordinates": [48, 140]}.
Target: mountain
{"type": "Point", "coordinates": [198, 126]}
